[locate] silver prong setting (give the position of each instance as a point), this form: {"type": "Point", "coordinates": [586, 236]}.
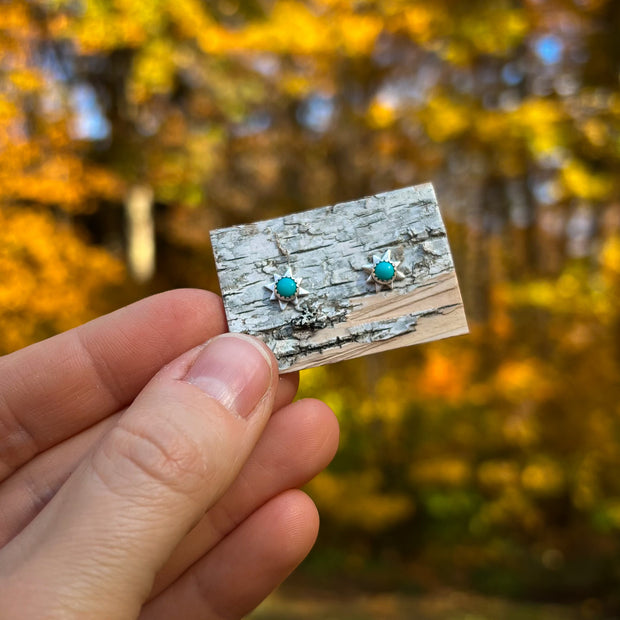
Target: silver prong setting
{"type": "Point", "coordinates": [286, 289]}
{"type": "Point", "coordinates": [383, 271]}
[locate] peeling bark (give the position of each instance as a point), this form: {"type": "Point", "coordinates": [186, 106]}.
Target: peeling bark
{"type": "Point", "coordinates": [343, 317]}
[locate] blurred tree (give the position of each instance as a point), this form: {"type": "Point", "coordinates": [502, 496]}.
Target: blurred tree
{"type": "Point", "coordinates": [252, 107]}
{"type": "Point", "coordinates": [48, 271]}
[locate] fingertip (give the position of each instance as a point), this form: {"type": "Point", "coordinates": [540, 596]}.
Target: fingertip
{"type": "Point", "coordinates": [319, 415]}
{"type": "Point", "coordinates": [319, 407]}
{"type": "Point", "coordinates": [291, 379]}
{"type": "Point", "coordinates": [248, 564]}
{"type": "Point", "coordinates": [287, 389]}
{"type": "Point", "coordinates": [296, 524]}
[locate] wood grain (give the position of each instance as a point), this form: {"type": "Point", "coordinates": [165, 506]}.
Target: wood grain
{"type": "Point", "coordinates": [343, 317]}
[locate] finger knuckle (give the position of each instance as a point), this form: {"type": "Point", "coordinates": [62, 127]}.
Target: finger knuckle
{"type": "Point", "coordinates": [164, 456]}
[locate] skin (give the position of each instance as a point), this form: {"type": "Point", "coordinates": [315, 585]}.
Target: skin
{"type": "Point", "coordinates": [137, 460]}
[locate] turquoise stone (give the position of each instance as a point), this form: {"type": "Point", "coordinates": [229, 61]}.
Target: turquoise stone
{"type": "Point", "coordinates": [286, 287]}
{"type": "Point", "coordinates": [384, 271]}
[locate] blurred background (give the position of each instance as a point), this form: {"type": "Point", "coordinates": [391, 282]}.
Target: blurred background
{"type": "Point", "coordinates": [477, 477]}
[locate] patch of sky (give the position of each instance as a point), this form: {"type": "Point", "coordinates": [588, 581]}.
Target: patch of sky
{"type": "Point", "coordinates": [316, 112]}
{"type": "Point", "coordinates": [391, 96]}
{"type": "Point", "coordinates": [266, 64]}
{"type": "Point", "coordinates": [399, 91]}
{"type": "Point", "coordinates": [549, 48]}
{"type": "Point", "coordinates": [90, 122]}
{"type": "Point", "coordinates": [54, 62]}
{"type": "Point", "coordinates": [511, 74]}
{"type": "Point", "coordinates": [545, 192]}
{"type": "Point", "coordinates": [254, 124]}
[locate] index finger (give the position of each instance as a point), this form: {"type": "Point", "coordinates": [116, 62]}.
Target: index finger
{"type": "Point", "coordinates": [61, 386]}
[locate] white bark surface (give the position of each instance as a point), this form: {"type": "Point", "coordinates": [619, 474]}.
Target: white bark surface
{"type": "Point", "coordinates": [343, 317]}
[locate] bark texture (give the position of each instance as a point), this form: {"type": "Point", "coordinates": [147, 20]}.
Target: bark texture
{"type": "Point", "coordinates": [343, 317]}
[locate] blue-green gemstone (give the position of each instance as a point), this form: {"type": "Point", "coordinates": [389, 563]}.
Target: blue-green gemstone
{"type": "Point", "coordinates": [384, 271]}
{"type": "Point", "coordinates": [286, 287]}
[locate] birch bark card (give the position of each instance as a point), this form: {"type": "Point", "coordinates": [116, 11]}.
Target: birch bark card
{"type": "Point", "coordinates": [342, 281]}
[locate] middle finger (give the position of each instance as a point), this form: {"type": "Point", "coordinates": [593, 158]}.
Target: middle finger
{"type": "Point", "coordinates": [298, 442]}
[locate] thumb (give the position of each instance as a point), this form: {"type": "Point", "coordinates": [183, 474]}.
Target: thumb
{"type": "Point", "coordinates": [94, 550]}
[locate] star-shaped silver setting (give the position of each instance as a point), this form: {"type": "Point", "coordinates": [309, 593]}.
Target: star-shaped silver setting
{"type": "Point", "coordinates": [283, 299]}
{"type": "Point", "coordinates": [374, 277]}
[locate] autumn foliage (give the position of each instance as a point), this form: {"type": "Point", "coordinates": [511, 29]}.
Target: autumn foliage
{"type": "Point", "coordinates": [489, 461]}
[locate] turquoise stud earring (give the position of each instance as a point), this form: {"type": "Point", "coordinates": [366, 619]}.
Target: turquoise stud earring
{"type": "Point", "coordinates": [286, 289]}
{"type": "Point", "coordinates": [383, 271]}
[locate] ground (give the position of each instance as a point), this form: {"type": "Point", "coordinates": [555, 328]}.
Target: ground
{"type": "Point", "coordinates": [288, 604]}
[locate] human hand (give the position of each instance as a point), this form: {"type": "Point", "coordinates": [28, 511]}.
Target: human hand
{"type": "Point", "coordinates": [143, 473]}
